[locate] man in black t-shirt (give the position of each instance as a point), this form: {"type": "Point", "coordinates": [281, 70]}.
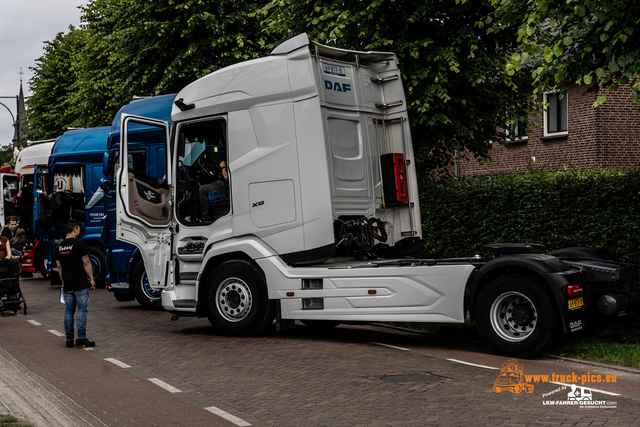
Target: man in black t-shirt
{"type": "Point", "coordinates": [74, 268]}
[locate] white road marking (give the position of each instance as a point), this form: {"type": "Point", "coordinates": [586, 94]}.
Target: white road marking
{"type": "Point", "coordinates": [117, 362]}
{"type": "Point", "coordinates": [169, 388]}
{"type": "Point", "coordinates": [56, 333]}
{"type": "Point", "coordinates": [33, 322]}
{"type": "Point", "coordinates": [390, 346]}
{"type": "Point", "coordinates": [227, 416]}
{"type": "Point", "coordinates": [472, 364]}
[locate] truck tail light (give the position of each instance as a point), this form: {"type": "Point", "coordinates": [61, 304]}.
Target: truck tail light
{"type": "Point", "coordinates": [394, 178]}
{"type": "Point", "coordinates": [575, 290]}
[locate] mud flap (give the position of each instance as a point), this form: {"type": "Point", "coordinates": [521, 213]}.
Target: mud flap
{"type": "Point", "coordinates": [283, 324]}
{"type": "Point", "coordinates": [576, 324]}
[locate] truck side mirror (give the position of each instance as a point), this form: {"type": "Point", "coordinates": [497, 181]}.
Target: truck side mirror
{"type": "Point", "coordinates": [107, 188]}
{"type": "Point", "coordinates": [106, 183]}
{"type": "Point", "coordinates": [107, 164]}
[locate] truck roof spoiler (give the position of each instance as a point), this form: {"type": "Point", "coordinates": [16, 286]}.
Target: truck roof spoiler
{"type": "Point", "coordinates": [318, 49]}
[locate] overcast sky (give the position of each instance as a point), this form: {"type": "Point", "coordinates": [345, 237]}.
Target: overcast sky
{"type": "Point", "coordinates": [24, 26]}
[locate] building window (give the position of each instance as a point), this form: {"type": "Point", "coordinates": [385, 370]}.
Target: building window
{"type": "Point", "coordinates": [555, 116]}
{"type": "Point", "coordinates": [519, 129]}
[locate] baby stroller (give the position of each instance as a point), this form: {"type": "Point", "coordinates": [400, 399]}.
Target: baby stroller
{"type": "Point", "coordinates": [10, 294]}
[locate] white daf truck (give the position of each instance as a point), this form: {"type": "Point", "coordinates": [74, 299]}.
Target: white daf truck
{"type": "Point", "coordinates": [290, 192]}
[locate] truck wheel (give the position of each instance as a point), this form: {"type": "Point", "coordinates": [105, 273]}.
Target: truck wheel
{"type": "Point", "coordinates": [96, 256]}
{"type": "Point", "coordinates": [238, 299]}
{"type": "Point", "coordinates": [515, 317]}
{"type": "Point", "coordinates": [147, 297]}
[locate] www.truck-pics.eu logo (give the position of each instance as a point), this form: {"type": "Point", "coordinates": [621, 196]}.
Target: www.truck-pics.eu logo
{"type": "Point", "coordinates": [512, 378]}
{"type": "Point", "coordinates": [572, 390]}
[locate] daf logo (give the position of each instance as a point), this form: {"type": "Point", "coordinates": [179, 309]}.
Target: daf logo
{"type": "Point", "coordinates": [256, 204]}
{"type": "Point", "coordinates": [337, 86]}
{"type": "Point", "coordinates": [575, 325]}
{"type": "Point", "coordinates": [149, 195]}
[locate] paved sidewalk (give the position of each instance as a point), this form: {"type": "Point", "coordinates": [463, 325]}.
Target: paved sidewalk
{"type": "Point", "coordinates": [30, 398]}
{"type": "Point", "coordinates": [46, 384]}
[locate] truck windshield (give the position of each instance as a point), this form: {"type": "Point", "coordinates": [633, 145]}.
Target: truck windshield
{"type": "Point", "coordinates": [10, 186]}
{"type": "Point", "coordinates": [193, 150]}
{"type": "Point", "coordinates": [68, 179]}
{"type": "Point", "coordinates": [203, 138]}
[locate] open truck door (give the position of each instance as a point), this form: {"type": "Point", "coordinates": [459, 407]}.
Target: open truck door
{"type": "Point", "coordinates": [41, 195]}
{"type": "Point", "coordinates": [9, 188]}
{"type": "Point", "coordinates": [143, 202]}
{"type": "Point", "coordinates": [42, 219]}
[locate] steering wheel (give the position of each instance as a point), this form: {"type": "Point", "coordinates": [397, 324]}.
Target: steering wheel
{"type": "Point", "coordinates": [209, 168]}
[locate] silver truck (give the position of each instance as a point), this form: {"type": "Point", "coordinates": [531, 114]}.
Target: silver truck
{"type": "Point", "coordinates": [290, 193]}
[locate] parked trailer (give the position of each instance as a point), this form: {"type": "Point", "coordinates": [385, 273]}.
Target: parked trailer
{"type": "Point", "coordinates": [316, 215]}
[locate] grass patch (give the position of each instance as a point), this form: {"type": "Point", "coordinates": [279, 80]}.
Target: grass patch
{"type": "Point", "coordinates": [11, 421]}
{"type": "Point", "coordinates": [620, 344]}
{"type": "Point", "coordinates": [601, 349]}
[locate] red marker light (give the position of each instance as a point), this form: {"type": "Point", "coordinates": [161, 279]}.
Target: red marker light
{"type": "Point", "coordinates": [575, 290]}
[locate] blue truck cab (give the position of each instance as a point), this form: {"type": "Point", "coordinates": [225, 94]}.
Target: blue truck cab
{"type": "Point", "coordinates": [126, 276]}
{"type": "Point", "coordinates": [69, 188]}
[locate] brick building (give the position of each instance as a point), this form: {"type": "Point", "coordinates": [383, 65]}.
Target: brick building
{"type": "Point", "coordinates": [572, 132]}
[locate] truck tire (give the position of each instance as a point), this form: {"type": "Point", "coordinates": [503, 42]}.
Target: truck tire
{"type": "Point", "coordinates": [515, 316]}
{"type": "Point", "coordinates": [96, 256]}
{"type": "Point", "coordinates": [147, 297]}
{"type": "Point", "coordinates": [238, 299]}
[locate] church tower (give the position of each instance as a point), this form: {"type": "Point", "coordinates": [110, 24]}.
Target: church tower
{"type": "Point", "coordinates": [20, 133]}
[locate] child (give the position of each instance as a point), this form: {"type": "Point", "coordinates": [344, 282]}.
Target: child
{"type": "Point", "coordinates": [15, 246]}
{"type": "Point", "coordinates": [18, 242]}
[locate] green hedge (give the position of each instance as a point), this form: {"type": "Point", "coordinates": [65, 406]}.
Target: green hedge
{"type": "Point", "coordinates": [593, 207]}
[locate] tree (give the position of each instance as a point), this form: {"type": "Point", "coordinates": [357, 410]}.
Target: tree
{"type": "Point", "coordinates": [459, 95]}
{"type": "Point", "coordinates": [591, 42]}
{"type": "Point", "coordinates": [138, 47]}
{"type": "Point", "coordinates": [6, 155]}
{"type": "Point", "coordinates": [126, 48]}
{"type": "Point", "coordinates": [50, 111]}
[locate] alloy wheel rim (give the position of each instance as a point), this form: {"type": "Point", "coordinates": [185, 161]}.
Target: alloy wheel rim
{"type": "Point", "coordinates": [513, 316]}
{"type": "Point", "coordinates": [152, 294]}
{"type": "Point", "coordinates": [234, 299]}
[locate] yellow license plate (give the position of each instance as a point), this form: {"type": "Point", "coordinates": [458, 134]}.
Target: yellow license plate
{"type": "Point", "coordinates": [575, 303]}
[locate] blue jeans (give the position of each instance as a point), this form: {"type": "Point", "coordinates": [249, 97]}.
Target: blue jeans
{"type": "Point", "coordinates": [71, 300]}
{"type": "Point", "coordinates": [203, 194]}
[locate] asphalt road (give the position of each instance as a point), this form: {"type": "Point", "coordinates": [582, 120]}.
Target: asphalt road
{"type": "Point", "coordinates": [356, 375]}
